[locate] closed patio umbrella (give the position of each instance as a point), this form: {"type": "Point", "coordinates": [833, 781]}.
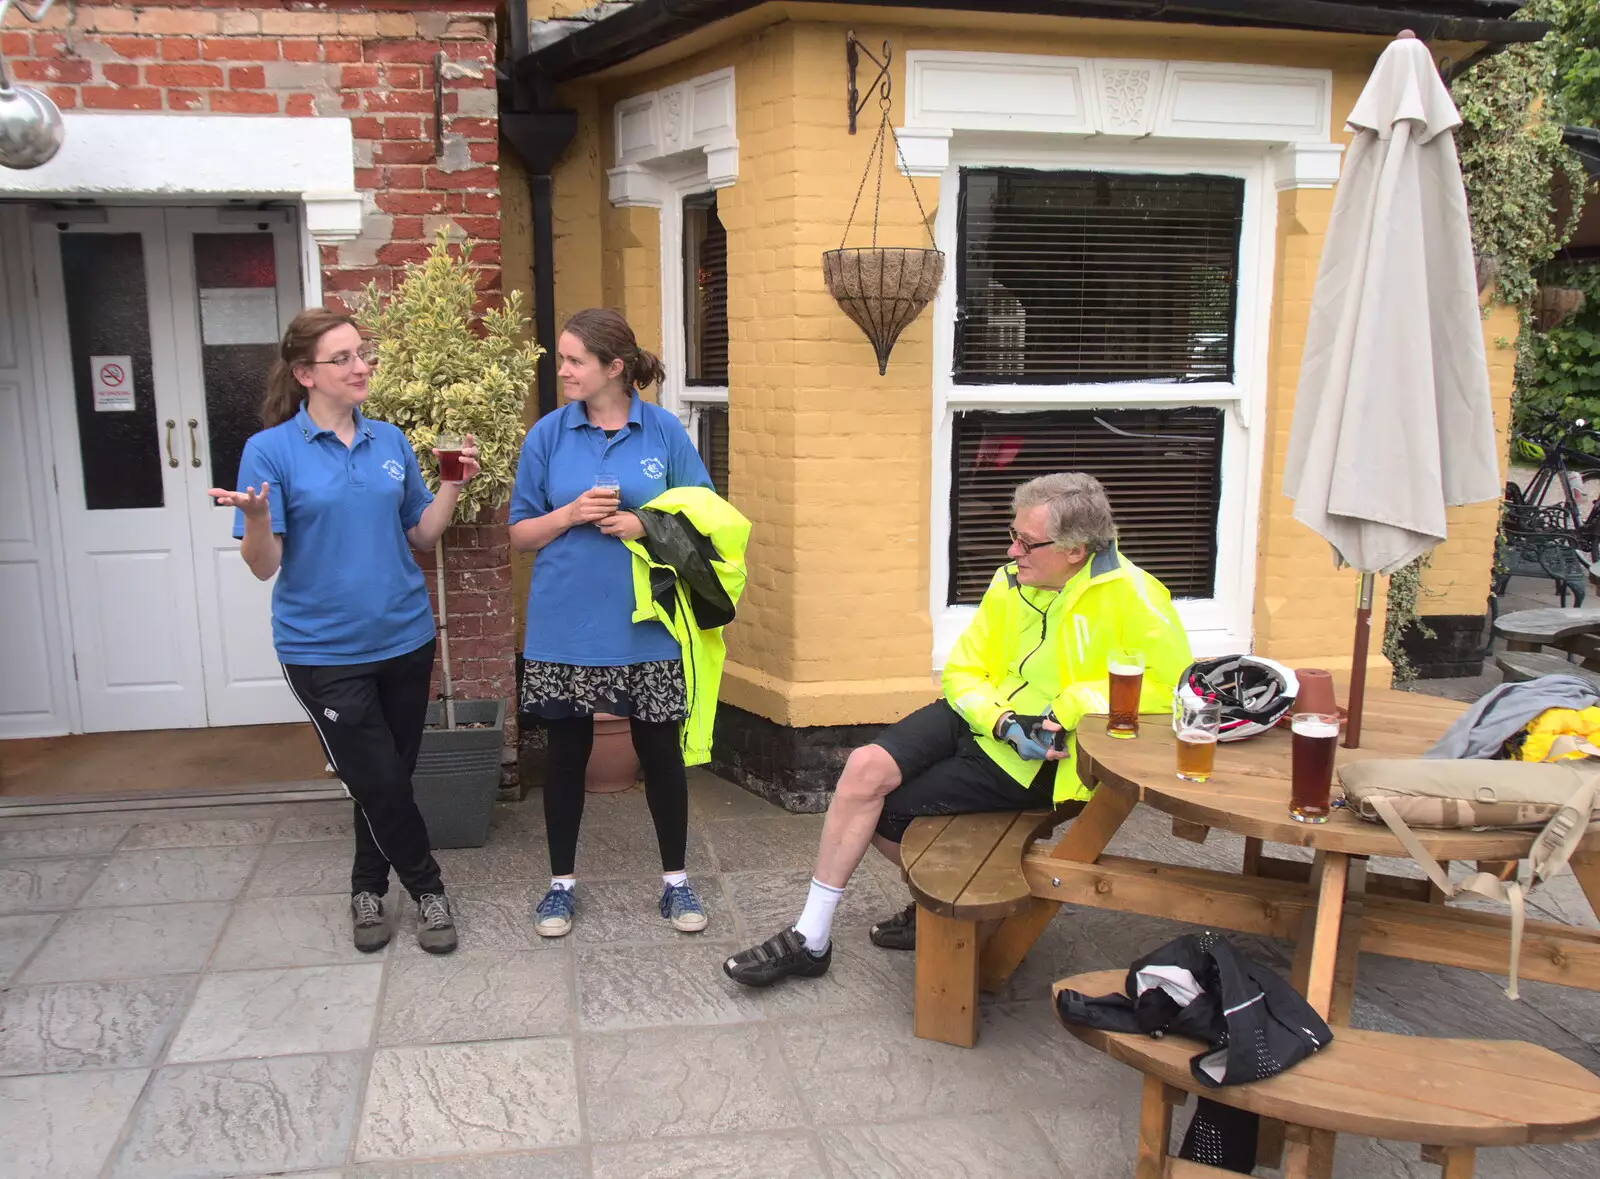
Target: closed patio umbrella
{"type": "Point", "coordinates": [1392, 419]}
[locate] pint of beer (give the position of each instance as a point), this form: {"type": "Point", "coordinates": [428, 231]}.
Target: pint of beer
{"type": "Point", "coordinates": [1195, 723]}
{"type": "Point", "coordinates": [1125, 669]}
{"type": "Point", "coordinates": [1315, 741]}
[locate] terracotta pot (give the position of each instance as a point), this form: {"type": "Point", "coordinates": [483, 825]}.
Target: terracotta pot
{"type": "Point", "coordinates": [613, 765]}
{"type": "Point", "coordinates": [1316, 691]}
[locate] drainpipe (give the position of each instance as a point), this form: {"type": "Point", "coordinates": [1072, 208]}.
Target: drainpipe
{"type": "Point", "coordinates": [539, 132]}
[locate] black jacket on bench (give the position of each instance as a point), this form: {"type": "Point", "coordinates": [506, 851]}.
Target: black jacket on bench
{"type": "Point", "coordinates": [1254, 1024]}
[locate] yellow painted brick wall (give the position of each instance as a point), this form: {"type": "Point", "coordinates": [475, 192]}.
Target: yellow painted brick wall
{"type": "Point", "coordinates": [832, 462]}
{"type": "Point", "coordinates": [1305, 608]}
{"type": "Point", "coordinates": [1458, 580]}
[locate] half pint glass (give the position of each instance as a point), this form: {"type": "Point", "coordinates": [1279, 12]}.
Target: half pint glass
{"type": "Point", "coordinates": [1125, 670]}
{"type": "Point", "coordinates": [1315, 739]}
{"type": "Point", "coordinates": [1195, 724]}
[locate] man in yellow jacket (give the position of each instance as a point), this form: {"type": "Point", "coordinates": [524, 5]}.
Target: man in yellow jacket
{"type": "Point", "coordinates": [1030, 664]}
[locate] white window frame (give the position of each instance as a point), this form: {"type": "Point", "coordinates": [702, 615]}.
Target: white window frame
{"type": "Point", "coordinates": [1222, 623]}
{"type": "Point", "coordinates": [671, 143]}
{"type": "Point", "coordinates": [689, 402]}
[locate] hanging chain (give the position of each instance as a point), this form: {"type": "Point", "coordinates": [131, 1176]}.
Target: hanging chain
{"type": "Point", "coordinates": [880, 151]}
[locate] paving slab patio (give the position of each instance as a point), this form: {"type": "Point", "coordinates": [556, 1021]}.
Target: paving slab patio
{"type": "Point", "coordinates": [180, 999]}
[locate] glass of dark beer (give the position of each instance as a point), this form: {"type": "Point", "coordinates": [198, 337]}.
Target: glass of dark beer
{"type": "Point", "coordinates": [1315, 737]}
{"type": "Point", "coordinates": [1125, 670]}
{"type": "Point", "coordinates": [1195, 724]}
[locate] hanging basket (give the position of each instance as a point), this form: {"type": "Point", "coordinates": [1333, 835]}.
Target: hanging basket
{"type": "Point", "coordinates": [883, 288]}
{"type": "Point", "coordinates": [1556, 305]}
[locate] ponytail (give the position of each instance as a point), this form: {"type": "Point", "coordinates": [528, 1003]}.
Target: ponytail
{"type": "Point", "coordinates": [299, 346]}
{"type": "Point", "coordinates": [646, 369]}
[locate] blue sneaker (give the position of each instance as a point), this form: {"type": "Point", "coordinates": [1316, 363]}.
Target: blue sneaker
{"type": "Point", "coordinates": [553, 915]}
{"type": "Point", "coordinates": [680, 906]}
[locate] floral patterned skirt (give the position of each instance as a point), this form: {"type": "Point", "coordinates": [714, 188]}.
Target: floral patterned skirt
{"type": "Point", "coordinates": [652, 692]}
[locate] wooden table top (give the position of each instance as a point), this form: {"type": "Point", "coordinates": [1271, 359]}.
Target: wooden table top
{"type": "Point", "coordinates": [1547, 625]}
{"type": "Point", "coordinates": [1249, 789]}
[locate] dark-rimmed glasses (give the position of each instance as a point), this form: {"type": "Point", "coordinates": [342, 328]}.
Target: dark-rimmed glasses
{"type": "Point", "coordinates": [1027, 545]}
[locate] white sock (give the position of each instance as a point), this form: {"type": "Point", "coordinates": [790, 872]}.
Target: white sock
{"type": "Point", "coordinates": [816, 921]}
{"type": "Point", "coordinates": [673, 879]}
{"type": "Point", "coordinates": [564, 883]}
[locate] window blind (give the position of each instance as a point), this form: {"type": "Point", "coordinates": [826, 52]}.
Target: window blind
{"type": "Point", "coordinates": [1086, 277]}
{"type": "Point", "coordinates": [713, 444]}
{"type": "Point", "coordinates": [705, 276]}
{"type": "Point", "coordinates": [1161, 469]}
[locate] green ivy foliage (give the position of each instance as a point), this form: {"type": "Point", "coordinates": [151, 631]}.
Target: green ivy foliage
{"type": "Point", "coordinates": [442, 369]}
{"type": "Point", "coordinates": [1560, 369]}
{"type": "Point", "coordinates": [1511, 149]}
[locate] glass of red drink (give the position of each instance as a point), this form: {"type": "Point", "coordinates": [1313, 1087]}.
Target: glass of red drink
{"type": "Point", "coordinates": [448, 450]}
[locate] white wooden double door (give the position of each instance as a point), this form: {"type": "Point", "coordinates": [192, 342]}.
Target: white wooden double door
{"type": "Point", "coordinates": [158, 327]}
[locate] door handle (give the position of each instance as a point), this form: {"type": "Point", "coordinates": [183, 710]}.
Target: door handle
{"type": "Point", "coordinates": [194, 445]}
{"type": "Point", "coordinates": [172, 459]}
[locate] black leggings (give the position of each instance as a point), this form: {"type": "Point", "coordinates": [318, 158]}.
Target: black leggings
{"type": "Point", "coordinates": [666, 788]}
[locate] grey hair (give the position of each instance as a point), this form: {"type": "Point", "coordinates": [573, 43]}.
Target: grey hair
{"type": "Point", "coordinates": [1080, 513]}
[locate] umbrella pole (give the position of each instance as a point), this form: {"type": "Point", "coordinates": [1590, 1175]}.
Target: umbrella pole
{"type": "Point", "coordinates": [1358, 664]}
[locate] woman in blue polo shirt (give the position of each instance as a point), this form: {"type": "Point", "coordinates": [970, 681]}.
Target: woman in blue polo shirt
{"type": "Point", "coordinates": [333, 503]}
{"type": "Point", "coordinates": [582, 469]}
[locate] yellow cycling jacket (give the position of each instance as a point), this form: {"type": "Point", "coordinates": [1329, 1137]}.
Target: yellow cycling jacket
{"type": "Point", "coordinates": [1032, 651]}
{"type": "Point", "coordinates": [688, 574]}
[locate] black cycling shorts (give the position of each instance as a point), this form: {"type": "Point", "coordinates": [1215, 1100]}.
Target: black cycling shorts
{"type": "Point", "coordinates": [944, 771]}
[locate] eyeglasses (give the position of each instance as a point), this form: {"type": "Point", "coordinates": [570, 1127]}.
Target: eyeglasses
{"type": "Point", "coordinates": [1027, 545]}
{"type": "Point", "coordinates": [369, 357]}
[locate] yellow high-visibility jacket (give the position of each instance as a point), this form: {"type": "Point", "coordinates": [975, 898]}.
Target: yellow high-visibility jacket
{"type": "Point", "coordinates": [688, 575]}
{"type": "Point", "coordinates": [1032, 651]}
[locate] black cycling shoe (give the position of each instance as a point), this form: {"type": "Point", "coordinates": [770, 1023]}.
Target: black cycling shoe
{"type": "Point", "coordinates": [898, 932]}
{"type": "Point", "coordinates": [780, 956]}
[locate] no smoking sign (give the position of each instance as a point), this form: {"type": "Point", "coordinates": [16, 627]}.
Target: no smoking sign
{"type": "Point", "coordinates": [112, 379]}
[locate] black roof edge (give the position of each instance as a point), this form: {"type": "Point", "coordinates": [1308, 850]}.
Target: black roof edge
{"type": "Point", "coordinates": [648, 24]}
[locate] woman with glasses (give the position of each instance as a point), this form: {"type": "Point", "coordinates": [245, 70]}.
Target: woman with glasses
{"type": "Point", "coordinates": [330, 501]}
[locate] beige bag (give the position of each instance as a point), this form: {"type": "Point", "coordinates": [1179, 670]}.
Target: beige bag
{"type": "Point", "coordinates": [1561, 797]}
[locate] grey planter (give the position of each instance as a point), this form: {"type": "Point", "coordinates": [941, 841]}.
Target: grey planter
{"type": "Point", "coordinates": [458, 772]}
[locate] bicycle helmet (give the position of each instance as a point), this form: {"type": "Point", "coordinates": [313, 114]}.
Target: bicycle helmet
{"type": "Point", "coordinates": [1255, 693]}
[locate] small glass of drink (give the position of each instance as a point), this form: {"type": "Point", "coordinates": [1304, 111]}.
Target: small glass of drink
{"type": "Point", "coordinates": [1125, 670]}
{"type": "Point", "coordinates": [1315, 737]}
{"type": "Point", "coordinates": [608, 483]}
{"type": "Point", "coordinates": [448, 449]}
{"type": "Point", "coordinates": [1195, 723]}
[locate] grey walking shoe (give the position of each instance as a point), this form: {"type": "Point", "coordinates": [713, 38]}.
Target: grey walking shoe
{"type": "Point", "coordinates": [366, 917]}
{"type": "Point", "coordinates": [436, 928]}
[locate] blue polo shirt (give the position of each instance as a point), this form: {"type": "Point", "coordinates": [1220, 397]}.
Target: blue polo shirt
{"type": "Point", "coordinates": [349, 590]}
{"type": "Point", "coordinates": [580, 598]}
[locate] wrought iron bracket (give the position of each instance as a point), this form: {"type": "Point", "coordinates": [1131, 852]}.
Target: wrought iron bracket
{"type": "Point", "coordinates": [855, 103]}
{"type": "Point", "coordinates": [34, 17]}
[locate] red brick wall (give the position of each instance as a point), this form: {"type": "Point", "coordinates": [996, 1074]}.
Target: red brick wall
{"type": "Point", "coordinates": [373, 64]}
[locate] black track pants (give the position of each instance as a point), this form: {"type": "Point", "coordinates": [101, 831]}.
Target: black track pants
{"type": "Point", "coordinates": [369, 716]}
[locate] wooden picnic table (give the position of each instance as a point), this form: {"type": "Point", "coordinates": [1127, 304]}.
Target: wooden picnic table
{"type": "Point", "coordinates": [1332, 907]}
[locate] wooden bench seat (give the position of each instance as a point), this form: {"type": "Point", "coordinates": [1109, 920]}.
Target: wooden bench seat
{"type": "Point", "coordinates": [965, 873]}
{"type": "Point", "coordinates": [1521, 666]}
{"type": "Point", "coordinates": [1452, 1096]}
